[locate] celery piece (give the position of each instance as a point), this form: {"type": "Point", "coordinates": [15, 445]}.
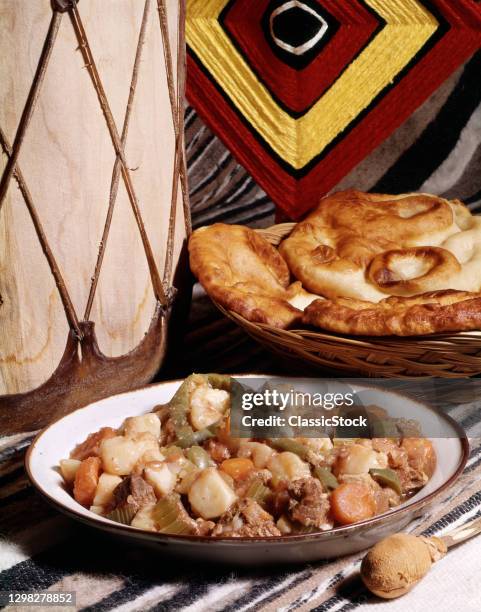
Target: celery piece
{"type": "Point", "coordinates": [186, 436]}
{"type": "Point", "coordinates": [179, 404]}
{"type": "Point", "coordinates": [327, 478]}
{"type": "Point", "coordinates": [299, 529]}
{"type": "Point", "coordinates": [284, 525]}
{"type": "Point", "coordinates": [387, 478]}
{"type": "Point", "coordinates": [220, 381]}
{"type": "Point", "coordinates": [383, 428]}
{"type": "Point", "coordinates": [258, 492]}
{"type": "Point", "coordinates": [123, 514]}
{"type": "Point", "coordinates": [292, 446]}
{"type": "Point", "coordinates": [187, 475]}
{"type": "Point", "coordinates": [205, 434]}
{"type": "Point", "coordinates": [200, 457]}
{"type": "Point", "coordinates": [171, 517]}
{"type": "Point", "coordinates": [169, 451]}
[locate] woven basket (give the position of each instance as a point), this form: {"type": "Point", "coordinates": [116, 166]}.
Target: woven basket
{"type": "Point", "coordinates": [446, 355]}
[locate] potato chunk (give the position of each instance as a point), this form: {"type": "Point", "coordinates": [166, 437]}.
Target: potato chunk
{"type": "Point", "coordinates": [258, 452]}
{"type": "Point", "coordinates": [359, 459]}
{"type": "Point", "coordinates": [105, 489]}
{"type": "Point", "coordinates": [149, 423]}
{"type": "Point", "coordinates": [143, 519]}
{"type": "Point", "coordinates": [207, 406]}
{"type": "Point", "coordinates": [68, 469]}
{"type": "Point", "coordinates": [161, 478]}
{"type": "Point", "coordinates": [120, 454]}
{"type": "Point", "coordinates": [318, 445]}
{"type": "Point", "coordinates": [210, 496]}
{"type": "Point", "coordinates": [152, 454]}
{"type": "Point", "coordinates": [288, 466]}
{"type": "Point", "coordinates": [186, 477]}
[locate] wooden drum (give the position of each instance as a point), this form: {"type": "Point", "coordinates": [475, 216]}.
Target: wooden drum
{"type": "Point", "coordinates": [93, 200]}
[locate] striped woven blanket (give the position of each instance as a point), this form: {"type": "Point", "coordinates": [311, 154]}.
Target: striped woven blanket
{"type": "Point", "coordinates": [437, 150]}
{"type": "Point", "coordinates": [41, 550]}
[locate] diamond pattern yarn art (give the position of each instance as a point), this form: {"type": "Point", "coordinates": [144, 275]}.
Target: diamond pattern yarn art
{"type": "Point", "coordinates": [302, 90]}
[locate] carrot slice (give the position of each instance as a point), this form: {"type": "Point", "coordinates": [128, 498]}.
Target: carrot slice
{"type": "Point", "coordinates": [86, 481]}
{"type": "Point", "coordinates": [238, 468]}
{"type": "Point", "coordinates": [352, 502]}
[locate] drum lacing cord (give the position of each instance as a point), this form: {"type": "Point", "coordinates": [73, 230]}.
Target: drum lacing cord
{"type": "Point", "coordinates": [91, 66]}
{"type": "Point", "coordinates": [164, 293]}
{"type": "Point", "coordinates": [114, 185]}
{"type": "Point", "coordinates": [12, 169]}
{"type": "Point", "coordinates": [177, 109]}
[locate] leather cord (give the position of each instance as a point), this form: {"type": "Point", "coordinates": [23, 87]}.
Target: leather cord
{"type": "Point", "coordinates": [163, 292]}
{"type": "Point", "coordinates": [91, 66]}
{"type": "Point", "coordinates": [177, 108]}
{"type": "Point", "coordinates": [114, 185]}
{"type": "Point", "coordinates": [59, 281]}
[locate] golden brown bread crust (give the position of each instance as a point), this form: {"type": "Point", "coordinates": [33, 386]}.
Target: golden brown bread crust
{"type": "Point", "coordinates": [433, 265]}
{"type": "Point", "coordinates": [429, 313]}
{"type": "Point", "coordinates": [367, 246]}
{"type": "Point", "coordinates": [356, 248]}
{"type": "Point", "coordinates": [244, 273]}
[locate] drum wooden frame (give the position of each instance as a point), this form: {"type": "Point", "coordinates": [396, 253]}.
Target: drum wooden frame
{"type": "Point", "coordinates": [445, 355]}
{"type": "Point", "coordinates": [95, 50]}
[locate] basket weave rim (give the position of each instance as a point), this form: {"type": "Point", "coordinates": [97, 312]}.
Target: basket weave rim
{"type": "Point", "coordinates": [399, 358]}
{"type": "Point", "coordinates": [433, 341]}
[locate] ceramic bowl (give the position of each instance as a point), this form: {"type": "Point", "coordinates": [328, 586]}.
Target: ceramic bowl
{"type": "Point", "coordinates": [57, 440]}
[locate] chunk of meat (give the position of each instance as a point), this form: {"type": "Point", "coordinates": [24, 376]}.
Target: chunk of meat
{"type": "Point", "coordinates": [90, 447]}
{"type": "Point", "coordinates": [279, 503]}
{"type": "Point", "coordinates": [308, 504]}
{"type": "Point", "coordinates": [242, 486]}
{"type": "Point", "coordinates": [223, 435]}
{"type": "Point", "coordinates": [421, 455]}
{"type": "Point", "coordinates": [246, 519]}
{"type": "Point", "coordinates": [385, 498]}
{"type": "Point", "coordinates": [168, 433]}
{"type": "Point", "coordinates": [204, 528]}
{"type": "Point", "coordinates": [86, 481]}
{"type": "Point", "coordinates": [411, 479]}
{"type": "Point", "coordinates": [217, 450]}
{"type": "Point", "coordinates": [414, 462]}
{"type": "Point", "coordinates": [385, 445]}
{"type": "Point", "coordinates": [133, 493]}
